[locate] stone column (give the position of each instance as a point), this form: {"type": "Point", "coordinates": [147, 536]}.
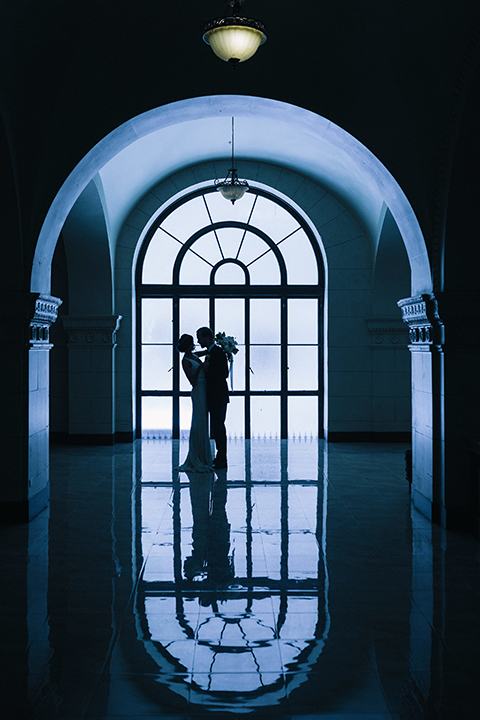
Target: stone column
{"type": "Point", "coordinates": [24, 420]}
{"type": "Point", "coordinates": [426, 335]}
{"type": "Point", "coordinates": [91, 368]}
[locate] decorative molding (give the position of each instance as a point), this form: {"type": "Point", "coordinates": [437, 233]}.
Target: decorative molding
{"type": "Point", "coordinates": [387, 331]}
{"type": "Point", "coordinates": [45, 313]}
{"type": "Point", "coordinates": [420, 313]}
{"type": "Point", "coordinates": [91, 329]}
{"type": "Point", "coordinates": [28, 319]}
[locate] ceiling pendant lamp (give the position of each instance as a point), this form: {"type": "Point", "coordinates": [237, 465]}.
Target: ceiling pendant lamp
{"type": "Point", "coordinates": [234, 38]}
{"type": "Point", "coordinates": [232, 188]}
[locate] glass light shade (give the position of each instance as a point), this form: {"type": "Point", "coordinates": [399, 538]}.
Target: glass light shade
{"type": "Point", "coordinates": [234, 42]}
{"type": "Point", "coordinates": [232, 192]}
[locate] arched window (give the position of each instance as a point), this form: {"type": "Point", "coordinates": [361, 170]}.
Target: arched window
{"type": "Point", "coordinates": [252, 270]}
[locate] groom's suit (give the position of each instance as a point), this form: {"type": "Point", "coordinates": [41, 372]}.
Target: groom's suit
{"type": "Point", "coordinates": [217, 398]}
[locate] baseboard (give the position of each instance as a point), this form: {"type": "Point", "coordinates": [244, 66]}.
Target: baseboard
{"type": "Point", "coordinates": [456, 519]}
{"type": "Point", "coordinates": [22, 511]}
{"type": "Point", "coordinates": [63, 438]}
{"type": "Point", "coordinates": [124, 436]}
{"type": "Point", "coordinates": [422, 504]}
{"type": "Point", "coordinates": [369, 437]}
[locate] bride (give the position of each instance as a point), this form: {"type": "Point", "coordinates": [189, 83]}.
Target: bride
{"type": "Point", "coordinates": [199, 458]}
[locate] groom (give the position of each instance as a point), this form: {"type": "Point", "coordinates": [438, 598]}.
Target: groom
{"type": "Point", "coordinates": [216, 367]}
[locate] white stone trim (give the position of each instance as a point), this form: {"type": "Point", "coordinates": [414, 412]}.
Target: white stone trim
{"type": "Point", "coordinates": [420, 313]}
{"type": "Point", "coordinates": [387, 332]}
{"type": "Point", "coordinates": [91, 329]}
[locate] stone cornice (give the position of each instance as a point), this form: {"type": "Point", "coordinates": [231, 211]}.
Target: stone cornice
{"type": "Point", "coordinates": [91, 329]}
{"type": "Point", "coordinates": [420, 313]}
{"type": "Point", "coordinates": [387, 331]}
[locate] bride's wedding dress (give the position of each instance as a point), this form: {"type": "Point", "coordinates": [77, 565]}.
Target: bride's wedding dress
{"type": "Point", "coordinates": [199, 458]}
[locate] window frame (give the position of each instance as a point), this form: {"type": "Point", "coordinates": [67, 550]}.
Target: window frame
{"type": "Point", "coordinates": [283, 291]}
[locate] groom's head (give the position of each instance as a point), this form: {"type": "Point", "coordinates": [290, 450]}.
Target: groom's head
{"type": "Point", "coordinates": [204, 337]}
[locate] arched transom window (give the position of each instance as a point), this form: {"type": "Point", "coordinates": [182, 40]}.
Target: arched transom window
{"type": "Point", "coordinates": [252, 270]}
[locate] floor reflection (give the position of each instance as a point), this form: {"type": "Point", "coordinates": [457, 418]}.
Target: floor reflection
{"type": "Point", "coordinates": [299, 584]}
{"type": "Point", "coordinates": [235, 599]}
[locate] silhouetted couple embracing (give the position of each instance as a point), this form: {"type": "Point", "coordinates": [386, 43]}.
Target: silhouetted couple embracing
{"type": "Point", "coordinates": [209, 398]}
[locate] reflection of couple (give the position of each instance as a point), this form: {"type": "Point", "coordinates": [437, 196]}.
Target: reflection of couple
{"type": "Point", "coordinates": [209, 397]}
{"type": "Point", "coordinates": [210, 533]}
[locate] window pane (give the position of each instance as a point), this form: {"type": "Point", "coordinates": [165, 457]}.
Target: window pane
{"type": "Point", "coordinates": [193, 315]}
{"type": "Point", "coordinates": [230, 240]}
{"type": "Point", "coordinates": [156, 363]}
{"type": "Point", "coordinates": [303, 417]}
{"type": "Point", "coordinates": [265, 321]}
{"type": "Point", "coordinates": [265, 271]}
{"type": "Point", "coordinates": [235, 422]}
{"type": "Point", "coordinates": [273, 219]}
{"type": "Point", "coordinates": [187, 219]}
{"type": "Point", "coordinates": [229, 317]}
{"type": "Point", "coordinates": [159, 259]}
{"type": "Point", "coordinates": [303, 367]}
{"type": "Point", "coordinates": [265, 363]}
{"type": "Point", "coordinates": [194, 270]}
{"type": "Point", "coordinates": [230, 274]}
{"type": "Point", "coordinates": [265, 417]}
{"type": "Point", "coordinates": [236, 380]}
{"type": "Point", "coordinates": [222, 210]}
{"type": "Point", "coordinates": [252, 247]}
{"type": "Point", "coordinates": [208, 247]}
{"type": "Point", "coordinates": [300, 260]}
{"type": "Point", "coordinates": [302, 321]}
{"type": "Point", "coordinates": [156, 320]}
{"type": "Point", "coordinates": [157, 415]}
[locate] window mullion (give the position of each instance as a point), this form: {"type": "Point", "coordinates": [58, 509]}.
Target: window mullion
{"type": "Point", "coordinates": [176, 371]}
{"type": "Point", "coordinates": [283, 370]}
{"type": "Point", "coordinates": [247, 370]}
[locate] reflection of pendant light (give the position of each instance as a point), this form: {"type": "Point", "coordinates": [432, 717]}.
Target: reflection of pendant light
{"type": "Point", "coordinates": [234, 38]}
{"type": "Point", "coordinates": [232, 189]}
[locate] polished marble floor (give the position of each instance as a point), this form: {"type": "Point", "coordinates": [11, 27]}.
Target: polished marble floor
{"type": "Point", "coordinates": [299, 584]}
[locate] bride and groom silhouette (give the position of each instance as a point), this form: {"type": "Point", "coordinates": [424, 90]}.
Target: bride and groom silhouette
{"type": "Point", "coordinates": [209, 399]}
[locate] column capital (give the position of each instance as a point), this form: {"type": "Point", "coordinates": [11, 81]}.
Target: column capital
{"type": "Point", "coordinates": [91, 329]}
{"type": "Point", "coordinates": [420, 313]}
{"type": "Point", "coordinates": [28, 317]}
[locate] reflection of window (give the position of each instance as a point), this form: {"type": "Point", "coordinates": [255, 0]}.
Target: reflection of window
{"type": "Point", "coordinates": [252, 270]}
{"type": "Point", "coordinates": [237, 613]}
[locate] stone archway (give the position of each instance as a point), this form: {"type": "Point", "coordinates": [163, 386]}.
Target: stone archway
{"type": "Point", "coordinates": [301, 141]}
{"type": "Point", "coordinates": [289, 135]}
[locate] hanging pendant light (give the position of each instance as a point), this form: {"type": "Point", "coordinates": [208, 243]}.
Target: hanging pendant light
{"type": "Point", "coordinates": [234, 38]}
{"type": "Point", "coordinates": [232, 188]}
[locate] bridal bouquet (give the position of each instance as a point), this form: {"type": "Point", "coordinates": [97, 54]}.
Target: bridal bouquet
{"type": "Point", "coordinates": [228, 344]}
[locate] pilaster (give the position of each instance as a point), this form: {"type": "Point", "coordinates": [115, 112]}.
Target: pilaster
{"type": "Point", "coordinates": [24, 424]}
{"type": "Point", "coordinates": [426, 334]}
